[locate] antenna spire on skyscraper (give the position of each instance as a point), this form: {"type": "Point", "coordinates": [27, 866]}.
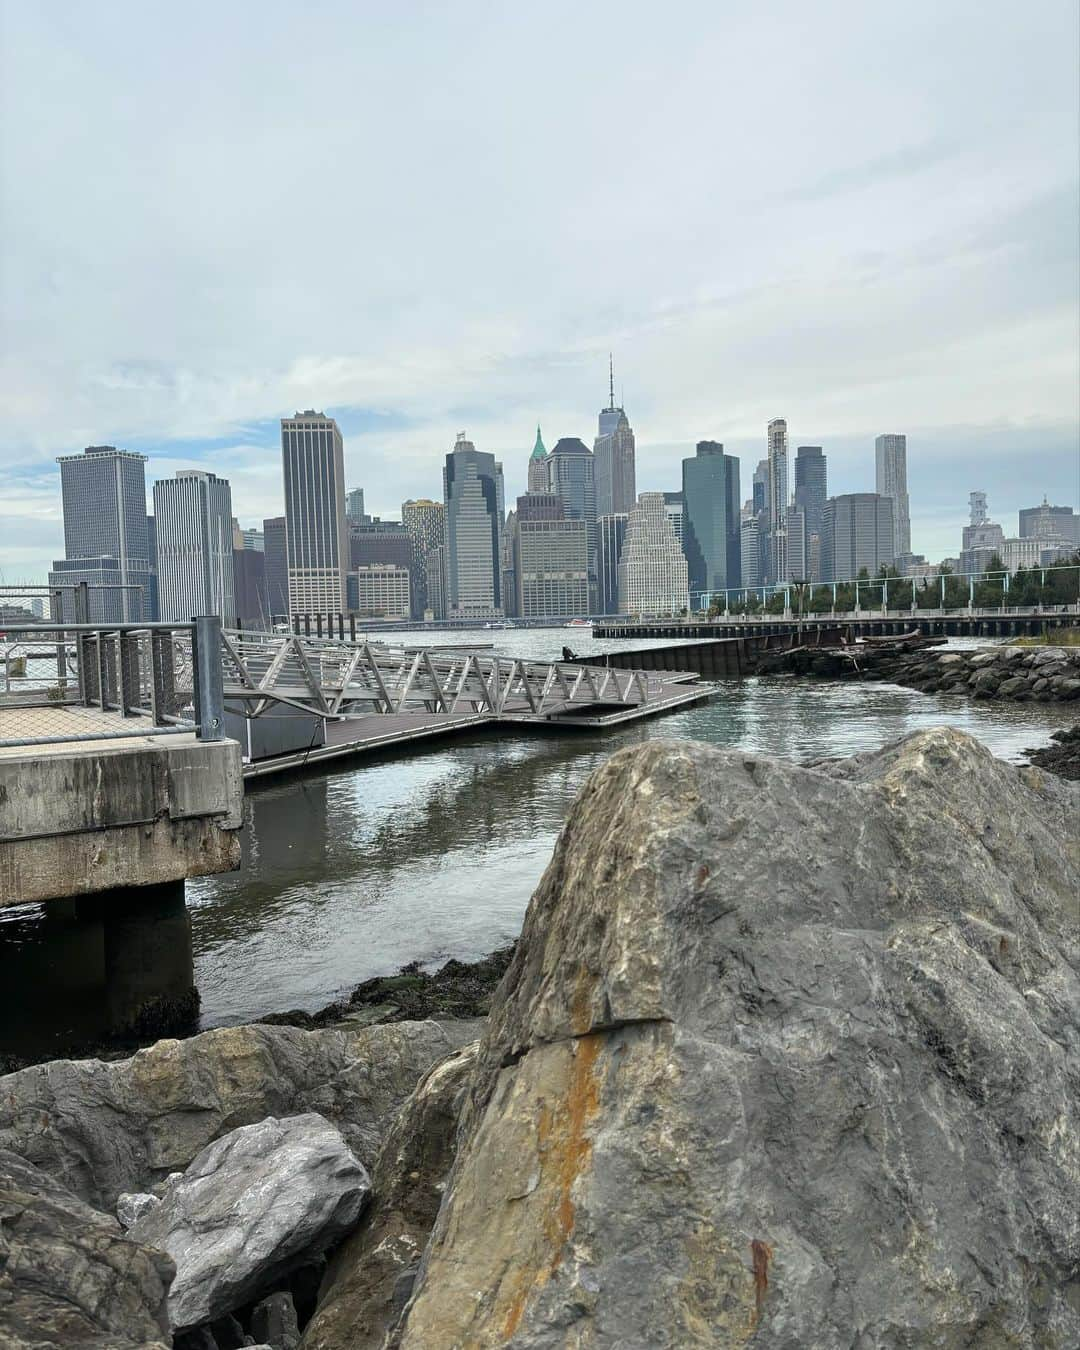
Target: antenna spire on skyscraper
{"type": "Point", "coordinates": [611, 381]}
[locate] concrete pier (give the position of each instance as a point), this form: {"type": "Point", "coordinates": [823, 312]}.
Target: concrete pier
{"type": "Point", "coordinates": [105, 834]}
{"type": "Point", "coordinates": [86, 817]}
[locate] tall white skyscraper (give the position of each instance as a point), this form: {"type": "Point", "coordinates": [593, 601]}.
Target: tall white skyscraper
{"type": "Point", "coordinates": [890, 455]}
{"type": "Point", "coordinates": [316, 534]}
{"type": "Point", "coordinates": [614, 452]}
{"type": "Point", "coordinates": [778, 499]}
{"type": "Point", "coordinates": [652, 567]}
{"type": "Point", "coordinates": [194, 526]}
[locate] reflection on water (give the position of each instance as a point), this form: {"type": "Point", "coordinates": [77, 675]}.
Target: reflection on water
{"type": "Point", "coordinates": [435, 854]}
{"type": "Point", "coordinates": [352, 872]}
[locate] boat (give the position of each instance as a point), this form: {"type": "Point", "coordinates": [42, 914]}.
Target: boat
{"type": "Point", "coordinates": [578, 623]}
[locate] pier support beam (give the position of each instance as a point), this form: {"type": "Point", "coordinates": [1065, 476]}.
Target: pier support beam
{"type": "Point", "coordinates": [149, 971]}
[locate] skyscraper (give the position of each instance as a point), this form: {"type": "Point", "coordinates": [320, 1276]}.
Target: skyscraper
{"type": "Point", "coordinates": [473, 496]}
{"type": "Point", "coordinates": [1054, 523]}
{"type": "Point", "coordinates": [571, 470]}
{"type": "Point", "coordinates": [857, 531]}
{"type": "Point", "coordinates": [613, 450]}
{"type": "Point", "coordinates": [103, 492]}
{"type": "Point", "coordinates": [778, 499]}
{"type": "Point", "coordinates": [317, 542]}
{"type": "Point", "coordinates": [538, 470]}
{"type": "Point", "coordinates": [811, 491]}
{"type": "Point", "coordinates": [425, 522]}
{"type": "Point", "coordinates": [711, 519]}
{"type": "Point", "coordinates": [194, 527]}
{"type": "Point", "coordinates": [675, 506]}
{"type": "Point", "coordinates": [811, 485]}
{"type": "Point", "coordinates": [550, 559]}
{"type": "Point", "coordinates": [890, 456]}
{"type": "Point", "coordinates": [277, 567]}
{"type": "Point", "coordinates": [354, 507]}
{"type": "Point", "coordinates": [752, 550]}
{"type": "Point", "coordinates": [652, 569]}
{"type": "Point", "coordinates": [982, 538]}
{"type": "Point", "coordinates": [760, 499]}
{"type": "Point", "coordinates": [610, 534]}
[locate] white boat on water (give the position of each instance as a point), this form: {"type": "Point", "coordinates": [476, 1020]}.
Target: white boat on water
{"type": "Point", "coordinates": [579, 623]}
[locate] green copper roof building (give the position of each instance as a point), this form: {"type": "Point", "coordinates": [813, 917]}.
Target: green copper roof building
{"type": "Point", "coordinates": [538, 469]}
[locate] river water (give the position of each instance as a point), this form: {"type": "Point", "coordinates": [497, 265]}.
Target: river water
{"type": "Point", "coordinates": [352, 871]}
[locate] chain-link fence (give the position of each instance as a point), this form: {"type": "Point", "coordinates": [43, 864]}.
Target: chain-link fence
{"type": "Point", "coordinates": [61, 682]}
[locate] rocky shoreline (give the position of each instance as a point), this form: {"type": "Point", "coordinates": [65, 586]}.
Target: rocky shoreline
{"type": "Point", "coordinates": [785, 1055]}
{"type": "Point", "coordinates": [1020, 674]}
{"type": "Point", "coordinates": [1062, 757]}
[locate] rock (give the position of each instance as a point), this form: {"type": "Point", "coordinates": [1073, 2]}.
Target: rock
{"type": "Point", "coordinates": [1045, 655]}
{"type": "Point", "coordinates": [274, 1321]}
{"type": "Point", "coordinates": [133, 1205]}
{"type": "Point", "coordinates": [251, 1206]}
{"type": "Point", "coordinates": [68, 1276]}
{"type": "Point", "coordinates": [1067, 688]}
{"type": "Point", "coordinates": [1039, 685]}
{"type": "Point", "coordinates": [104, 1128]}
{"type": "Point", "coordinates": [981, 659]}
{"type": "Point", "coordinates": [370, 1278]}
{"type": "Point", "coordinates": [951, 659]}
{"type": "Point", "coordinates": [789, 1055]}
{"type": "Point", "coordinates": [1013, 685]}
{"type": "Point", "coordinates": [986, 683]}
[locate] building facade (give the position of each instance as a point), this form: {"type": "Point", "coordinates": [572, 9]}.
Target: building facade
{"type": "Point", "coordinates": [103, 493]}
{"type": "Point", "coordinates": [425, 523]}
{"type": "Point", "coordinates": [194, 528]}
{"type": "Point", "coordinates": [610, 534]}
{"type": "Point", "coordinates": [652, 568]}
{"type": "Point", "coordinates": [760, 499]}
{"type": "Point", "coordinates": [550, 559]}
{"type": "Point", "coordinates": [538, 470]}
{"type": "Point", "coordinates": [890, 458]}
{"type": "Point", "coordinates": [614, 458]}
{"type": "Point", "coordinates": [778, 498]}
{"type": "Point", "coordinates": [316, 539]}
{"type": "Point", "coordinates": [473, 498]}
{"type": "Point", "coordinates": [249, 580]}
{"type": "Point", "coordinates": [811, 489]}
{"type": "Point", "coordinates": [752, 542]}
{"type": "Point", "coordinates": [676, 509]}
{"type": "Point", "coordinates": [981, 537]}
{"type": "Point", "coordinates": [712, 519]}
{"type": "Point", "coordinates": [383, 591]}
{"type": "Point", "coordinates": [858, 531]}
{"type": "Point", "coordinates": [571, 476]}
{"type": "Point", "coordinates": [277, 568]}
{"type": "Point", "coordinates": [354, 507]}
{"type": "Point", "coordinates": [1055, 523]}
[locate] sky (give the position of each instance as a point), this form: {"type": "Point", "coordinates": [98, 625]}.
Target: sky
{"type": "Point", "coordinates": [426, 218]}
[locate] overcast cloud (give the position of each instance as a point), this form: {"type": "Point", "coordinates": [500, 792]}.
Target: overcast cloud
{"type": "Point", "coordinates": [423, 218]}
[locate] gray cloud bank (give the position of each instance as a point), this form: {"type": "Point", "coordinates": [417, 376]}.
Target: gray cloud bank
{"type": "Point", "coordinates": [860, 217]}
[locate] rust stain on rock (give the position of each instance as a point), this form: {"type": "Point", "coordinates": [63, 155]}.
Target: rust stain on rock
{"type": "Point", "coordinates": [564, 1149]}
{"type": "Point", "coordinates": [761, 1253]}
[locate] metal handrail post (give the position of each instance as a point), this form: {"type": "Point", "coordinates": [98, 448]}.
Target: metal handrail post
{"type": "Point", "coordinates": [206, 664]}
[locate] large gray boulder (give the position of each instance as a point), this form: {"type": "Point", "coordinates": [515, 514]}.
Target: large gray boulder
{"type": "Point", "coordinates": [786, 1055]}
{"type": "Point", "coordinates": [370, 1277]}
{"type": "Point", "coordinates": [68, 1277]}
{"type": "Point", "coordinates": [105, 1128]}
{"type": "Point", "coordinates": [251, 1207]}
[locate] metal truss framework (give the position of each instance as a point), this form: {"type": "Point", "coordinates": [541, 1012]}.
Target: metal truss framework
{"type": "Point", "coordinates": [338, 679]}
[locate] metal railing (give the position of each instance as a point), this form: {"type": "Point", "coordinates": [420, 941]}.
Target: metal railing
{"type": "Point", "coordinates": [82, 681]}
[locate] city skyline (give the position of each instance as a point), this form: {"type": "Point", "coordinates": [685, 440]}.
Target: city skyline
{"type": "Point", "coordinates": [934, 524]}
{"type": "Point", "coordinates": [183, 308]}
